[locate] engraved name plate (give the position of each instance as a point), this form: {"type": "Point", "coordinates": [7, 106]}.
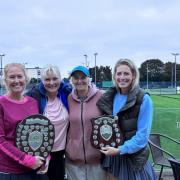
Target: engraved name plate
{"type": "Point", "coordinates": [35, 135]}
{"type": "Point", "coordinates": [105, 132]}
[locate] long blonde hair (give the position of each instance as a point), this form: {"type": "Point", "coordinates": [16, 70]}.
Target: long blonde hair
{"type": "Point", "coordinates": [133, 69]}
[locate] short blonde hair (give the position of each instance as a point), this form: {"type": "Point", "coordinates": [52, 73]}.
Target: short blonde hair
{"type": "Point", "coordinates": [50, 68]}
{"type": "Point", "coordinates": [133, 69]}
{"type": "Point", "coordinates": [21, 66]}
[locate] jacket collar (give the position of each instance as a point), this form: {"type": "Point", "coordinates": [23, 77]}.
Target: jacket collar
{"type": "Point", "coordinates": [92, 90]}
{"type": "Point", "coordinates": [106, 101]}
{"type": "Point", "coordinates": [42, 89]}
{"type": "Point", "coordinates": [131, 98]}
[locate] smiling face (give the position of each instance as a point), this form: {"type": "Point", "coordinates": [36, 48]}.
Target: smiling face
{"type": "Point", "coordinates": [80, 81]}
{"type": "Point", "coordinates": [51, 83]}
{"type": "Point", "coordinates": [124, 78]}
{"type": "Point", "coordinates": [15, 80]}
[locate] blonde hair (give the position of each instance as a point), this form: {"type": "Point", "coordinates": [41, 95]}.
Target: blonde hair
{"type": "Point", "coordinates": [50, 68]}
{"type": "Point", "coordinates": [133, 69]}
{"type": "Point", "coordinates": [21, 66]}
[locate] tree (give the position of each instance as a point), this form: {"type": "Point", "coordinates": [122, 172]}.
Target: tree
{"type": "Point", "coordinates": [155, 70]}
{"type": "Point", "coordinates": [33, 80]}
{"type": "Point", "coordinates": [102, 73]}
{"type": "Point", "coordinates": [66, 80]}
{"type": "Point", "coordinates": [178, 72]}
{"type": "Point", "coordinates": [168, 74]}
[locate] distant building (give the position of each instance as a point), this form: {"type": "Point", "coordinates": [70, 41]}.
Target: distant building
{"type": "Point", "coordinates": [34, 72]}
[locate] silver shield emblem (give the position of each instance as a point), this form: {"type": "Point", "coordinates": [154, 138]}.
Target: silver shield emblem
{"type": "Point", "coordinates": [106, 132]}
{"type": "Point", "coordinates": [35, 140]}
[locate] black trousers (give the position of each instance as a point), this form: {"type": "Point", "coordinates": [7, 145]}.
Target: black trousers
{"type": "Point", "coordinates": [24, 176]}
{"type": "Point", "coordinates": [56, 168]}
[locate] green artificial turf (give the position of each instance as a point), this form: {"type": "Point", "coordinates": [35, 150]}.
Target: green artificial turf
{"type": "Point", "coordinates": [166, 120]}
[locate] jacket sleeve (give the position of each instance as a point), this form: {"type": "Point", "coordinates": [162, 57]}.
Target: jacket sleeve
{"type": "Point", "coordinates": [7, 149]}
{"type": "Point", "coordinates": [140, 139]}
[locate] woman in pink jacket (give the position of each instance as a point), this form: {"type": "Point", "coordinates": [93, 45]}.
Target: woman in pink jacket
{"type": "Point", "coordinates": [82, 160]}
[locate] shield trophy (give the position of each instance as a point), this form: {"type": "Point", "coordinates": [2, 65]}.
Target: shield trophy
{"type": "Point", "coordinates": [105, 132]}
{"type": "Point", "coordinates": [35, 135]}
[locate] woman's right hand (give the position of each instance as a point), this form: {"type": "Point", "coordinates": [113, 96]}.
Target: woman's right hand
{"type": "Point", "coordinates": [110, 151]}
{"type": "Point", "coordinates": [44, 167]}
{"type": "Point", "coordinates": [39, 162]}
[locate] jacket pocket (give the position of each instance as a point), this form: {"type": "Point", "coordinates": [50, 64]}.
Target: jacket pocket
{"type": "Point", "coordinates": [74, 150]}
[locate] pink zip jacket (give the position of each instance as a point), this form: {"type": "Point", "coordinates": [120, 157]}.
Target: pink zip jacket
{"type": "Point", "coordinates": [12, 160]}
{"type": "Point", "coordinates": [79, 149]}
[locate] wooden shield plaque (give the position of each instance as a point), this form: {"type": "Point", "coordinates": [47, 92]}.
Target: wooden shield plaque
{"type": "Point", "coordinates": [35, 135]}
{"type": "Point", "coordinates": [105, 132]}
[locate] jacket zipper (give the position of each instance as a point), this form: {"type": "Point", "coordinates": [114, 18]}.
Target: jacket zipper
{"type": "Point", "coordinates": [83, 130]}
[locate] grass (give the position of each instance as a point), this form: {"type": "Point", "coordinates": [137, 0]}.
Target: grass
{"type": "Point", "coordinates": [166, 101]}
{"type": "Point", "coordinates": [166, 119]}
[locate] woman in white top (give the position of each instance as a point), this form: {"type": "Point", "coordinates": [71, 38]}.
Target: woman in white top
{"type": "Point", "coordinates": [52, 94]}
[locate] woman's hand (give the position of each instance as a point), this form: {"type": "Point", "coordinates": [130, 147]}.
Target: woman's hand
{"type": "Point", "coordinates": [39, 162]}
{"type": "Point", "coordinates": [110, 151]}
{"type": "Point", "coordinates": [44, 167]}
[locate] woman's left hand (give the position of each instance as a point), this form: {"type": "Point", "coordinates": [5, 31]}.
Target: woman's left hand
{"type": "Point", "coordinates": [110, 151]}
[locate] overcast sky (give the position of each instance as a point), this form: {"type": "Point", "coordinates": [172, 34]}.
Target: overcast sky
{"type": "Point", "coordinates": [40, 32]}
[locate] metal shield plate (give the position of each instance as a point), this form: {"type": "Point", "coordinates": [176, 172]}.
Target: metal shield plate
{"type": "Point", "coordinates": [106, 132]}
{"type": "Point", "coordinates": [35, 135]}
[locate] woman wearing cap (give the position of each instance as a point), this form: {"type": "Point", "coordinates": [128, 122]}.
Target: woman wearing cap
{"type": "Point", "coordinates": [52, 95]}
{"type": "Point", "coordinates": [82, 160]}
{"type": "Point", "coordinates": [14, 107]}
{"type": "Point", "coordinates": [134, 109]}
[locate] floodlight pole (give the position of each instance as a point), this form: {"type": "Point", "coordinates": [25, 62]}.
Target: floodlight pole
{"type": "Point", "coordinates": [86, 62]}
{"type": "Point", "coordinates": [1, 57]}
{"type": "Point", "coordinates": [147, 77]}
{"type": "Point", "coordinates": [175, 54]}
{"type": "Point", "coordinates": [95, 54]}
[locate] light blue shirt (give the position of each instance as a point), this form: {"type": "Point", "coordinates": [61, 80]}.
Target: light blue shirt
{"type": "Point", "coordinates": [144, 122]}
